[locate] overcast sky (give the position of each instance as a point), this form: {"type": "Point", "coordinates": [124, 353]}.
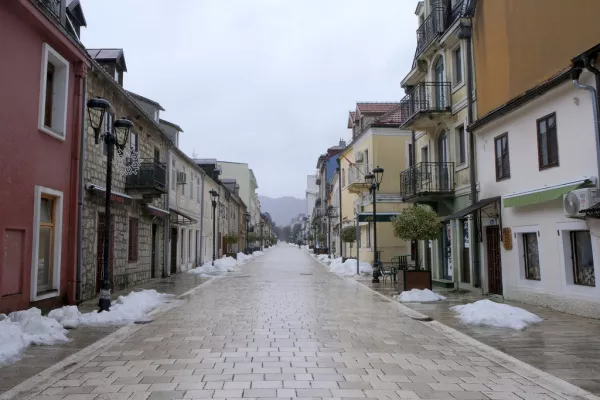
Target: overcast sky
{"type": "Point", "coordinates": [267, 82]}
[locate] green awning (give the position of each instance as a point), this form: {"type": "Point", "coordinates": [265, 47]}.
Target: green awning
{"type": "Point", "coordinates": [381, 217]}
{"type": "Point", "coordinates": [542, 195]}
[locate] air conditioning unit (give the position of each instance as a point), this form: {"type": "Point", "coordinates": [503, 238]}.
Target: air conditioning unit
{"type": "Point", "coordinates": [577, 200]}
{"type": "Point", "coordinates": [181, 178]}
{"type": "Point", "coordinates": [359, 157]}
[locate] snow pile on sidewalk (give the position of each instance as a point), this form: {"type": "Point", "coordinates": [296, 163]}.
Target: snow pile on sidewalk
{"type": "Point", "coordinates": [324, 258]}
{"type": "Point", "coordinates": [133, 307]}
{"type": "Point", "coordinates": [24, 328]}
{"type": "Point", "coordinates": [348, 267]}
{"type": "Point", "coordinates": [222, 265]}
{"type": "Point", "coordinates": [258, 253]}
{"type": "Point", "coordinates": [489, 313]}
{"type": "Point", "coordinates": [419, 296]}
{"type": "Point", "coordinates": [243, 258]}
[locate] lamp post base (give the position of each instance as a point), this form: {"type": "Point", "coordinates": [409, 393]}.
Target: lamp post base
{"type": "Point", "coordinates": [375, 280]}
{"type": "Point", "coordinates": [104, 302]}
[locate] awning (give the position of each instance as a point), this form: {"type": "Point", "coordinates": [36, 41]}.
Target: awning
{"type": "Point", "coordinates": [115, 197]}
{"type": "Point", "coordinates": [157, 212]}
{"type": "Point", "coordinates": [180, 218]}
{"type": "Point", "coordinates": [381, 217]}
{"type": "Point", "coordinates": [473, 207]}
{"type": "Point", "coordinates": [542, 195]}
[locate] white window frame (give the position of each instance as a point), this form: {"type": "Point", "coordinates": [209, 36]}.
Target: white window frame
{"type": "Point", "coordinates": [457, 85]}
{"type": "Point", "coordinates": [520, 261]}
{"type": "Point", "coordinates": [564, 246]}
{"type": "Point", "coordinates": [55, 291]}
{"type": "Point", "coordinates": [61, 93]}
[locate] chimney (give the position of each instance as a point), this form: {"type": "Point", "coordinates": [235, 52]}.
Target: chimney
{"type": "Point", "coordinates": [342, 143]}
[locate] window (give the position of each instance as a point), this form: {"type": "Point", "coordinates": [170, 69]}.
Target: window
{"type": "Point", "coordinates": [367, 157]}
{"type": "Point", "coordinates": [547, 142]}
{"type": "Point", "coordinates": [156, 154]}
{"type": "Point", "coordinates": [461, 143]}
{"type": "Point", "coordinates": [54, 89]}
{"type": "Point", "coordinates": [502, 158]}
{"type": "Point", "coordinates": [133, 240]}
{"type": "Point", "coordinates": [411, 156]}
{"type": "Point", "coordinates": [109, 119]}
{"type": "Point", "coordinates": [133, 141]}
{"type": "Point", "coordinates": [583, 258]}
{"type": "Point", "coordinates": [198, 190]}
{"type": "Point", "coordinates": [368, 235]}
{"type": "Point", "coordinates": [458, 70]}
{"type": "Point", "coordinates": [183, 184]}
{"type": "Point", "coordinates": [192, 188]}
{"type": "Point", "coordinates": [425, 154]}
{"type": "Point", "coordinates": [173, 176]}
{"type": "Point", "coordinates": [47, 242]}
{"type": "Point", "coordinates": [531, 256]}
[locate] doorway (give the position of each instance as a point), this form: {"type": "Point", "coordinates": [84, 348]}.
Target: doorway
{"type": "Point", "coordinates": [173, 250]}
{"type": "Point", "coordinates": [100, 253]}
{"type": "Point", "coordinates": [443, 182]}
{"type": "Point", "coordinates": [446, 254]}
{"type": "Point", "coordinates": [493, 258]}
{"type": "Point", "coordinates": [439, 79]}
{"type": "Point", "coordinates": [153, 251]}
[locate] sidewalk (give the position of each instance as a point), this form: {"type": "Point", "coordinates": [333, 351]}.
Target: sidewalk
{"type": "Point", "coordinates": [563, 345]}
{"type": "Point", "coordinates": [37, 358]}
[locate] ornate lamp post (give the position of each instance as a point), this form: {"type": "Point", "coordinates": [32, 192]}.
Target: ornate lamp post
{"type": "Point", "coordinates": [116, 135]}
{"type": "Point", "coordinates": [214, 195]}
{"type": "Point", "coordinates": [374, 180]}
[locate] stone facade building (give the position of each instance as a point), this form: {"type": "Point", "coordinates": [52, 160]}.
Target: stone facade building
{"type": "Point", "coordinates": [139, 214]}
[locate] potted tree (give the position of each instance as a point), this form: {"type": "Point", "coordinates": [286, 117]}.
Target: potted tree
{"type": "Point", "coordinates": [231, 239]}
{"type": "Point", "coordinates": [348, 235]}
{"type": "Point", "coordinates": [416, 223]}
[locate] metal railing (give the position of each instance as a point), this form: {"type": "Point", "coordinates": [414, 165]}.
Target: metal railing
{"type": "Point", "coordinates": [427, 178]}
{"type": "Point", "coordinates": [426, 97]}
{"type": "Point", "coordinates": [52, 8]}
{"type": "Point", "coordinates": [430, 29]}
{"type": "Point", "coordinates": [357, 172]}
{"type": "Point", "coordinates": [455, 13]}
{"type": "Point", "coordinates": [152, 176]}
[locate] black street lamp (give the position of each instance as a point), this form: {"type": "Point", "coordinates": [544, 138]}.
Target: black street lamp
{"type": "Point", "coordinates": [214, 195]}
{"type": "Point", "coordinates": [374, 180]}
{"type": "Point", "coordinates": [247, 233]}
{"type": "Point", "coordinates": [116, 135]}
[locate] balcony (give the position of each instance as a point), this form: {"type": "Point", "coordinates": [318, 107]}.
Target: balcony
{"type": "Point", "coordinates": [423, 103]}
{"type": "Point", "coordinates": [356, 178]}
{"type": "Point", "coordinates": [436, 23]}
{"type": "Point", "coordinates": [427, 181]}
{"type": "Point", "coordinates": [150, 181]}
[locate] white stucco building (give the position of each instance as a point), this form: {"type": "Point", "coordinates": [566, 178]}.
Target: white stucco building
{"type": "Point", "coordinates": [529, 155]}
{"type": "Point", "coordinates": [244, 176]}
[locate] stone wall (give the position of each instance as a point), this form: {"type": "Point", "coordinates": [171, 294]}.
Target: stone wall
{"type": "Point", "coordinates": [125, 274]}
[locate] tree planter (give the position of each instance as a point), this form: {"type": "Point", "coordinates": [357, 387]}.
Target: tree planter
{"type": "Point", "coordinates": [413, 279]}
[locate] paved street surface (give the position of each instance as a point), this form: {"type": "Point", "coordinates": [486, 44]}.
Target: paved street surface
{"type": "Point", "coordinates": [283, 327]}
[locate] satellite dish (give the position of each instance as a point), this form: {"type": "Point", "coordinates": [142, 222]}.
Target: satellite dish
{"type": "Point", "coordinates": [571, 204]}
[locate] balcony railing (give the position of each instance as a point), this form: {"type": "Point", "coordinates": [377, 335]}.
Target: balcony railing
{"type": "Point", "coordinates": [151, 177]}
{"type": "Point", "coordinates": [426, 97]}
{"type": "Point", "coordinates": [427, 178]}
{"type": "Point", "coordinates": [430, 29]}
{"type": "Point", "coordinates": [52, 8]}
{"type": "Point", "coordinates": [455, 13]}
{"type": "Point", "coordinates": [357, 172]}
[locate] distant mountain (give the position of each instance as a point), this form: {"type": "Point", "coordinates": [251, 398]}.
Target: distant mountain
{"type": "Point", "coordinates": [282, 209]}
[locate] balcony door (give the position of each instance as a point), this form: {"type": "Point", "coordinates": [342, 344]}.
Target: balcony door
{"type": "Point", "coordinates": [438, 82]}
{"type": "Point", "coordinates": [443, 181]}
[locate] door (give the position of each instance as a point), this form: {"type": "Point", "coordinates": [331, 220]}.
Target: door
{"type": "Point", "coordinates": [439, 79]}
{"type": "Point", "coordinates": [173, 250]}
{"type": "Point", "coordinates": [493, 257]}
{"type": "Point", "coordinates": [443, 179]}
{"type": "Point", "coordinates": [153, 259]}
{"type": "Point", "coordinates": [447, 252]}
{"type": "Point", "coordinates": [100, 253]}
{"type": "Point", "coordinates": [466, 259]}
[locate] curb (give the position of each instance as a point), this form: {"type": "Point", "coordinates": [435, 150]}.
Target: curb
{"type": "Point", "coordinates": [40, 382]}
{"type": "Point", "coordinates": [527, 371]}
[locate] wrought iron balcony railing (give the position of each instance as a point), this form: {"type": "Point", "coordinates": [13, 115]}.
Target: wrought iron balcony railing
{"type": "Point", "coordinates": [357, 172]}
{"type": "Point", "coordinates": [426, 97]}
{"type": "Point", "coordinates": [54, 9]}
{"type": "Point", "coordinates": [427, 178]}
{"type": "Point", "coordinates": [430, 29]}
{"type": "Point", "coordinates": [151, 177]}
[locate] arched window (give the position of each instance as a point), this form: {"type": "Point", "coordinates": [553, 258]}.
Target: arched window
{"type": "Point", "coordinates": [439, 78]}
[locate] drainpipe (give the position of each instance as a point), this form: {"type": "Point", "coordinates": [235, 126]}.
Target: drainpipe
{"type": "Point", "coordinates": [466, 34]}
{"type": "Point", "coordinates": [167, 222]}
{"type": "Point", "coordinates": [79, 263]}
{"type": "Point", "coordinates": [595, 104]}
{"type": "Point", "coordinates": [202, 177]}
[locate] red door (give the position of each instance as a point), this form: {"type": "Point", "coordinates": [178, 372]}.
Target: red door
{"type": "Point", "coordinates": [493, 255]}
